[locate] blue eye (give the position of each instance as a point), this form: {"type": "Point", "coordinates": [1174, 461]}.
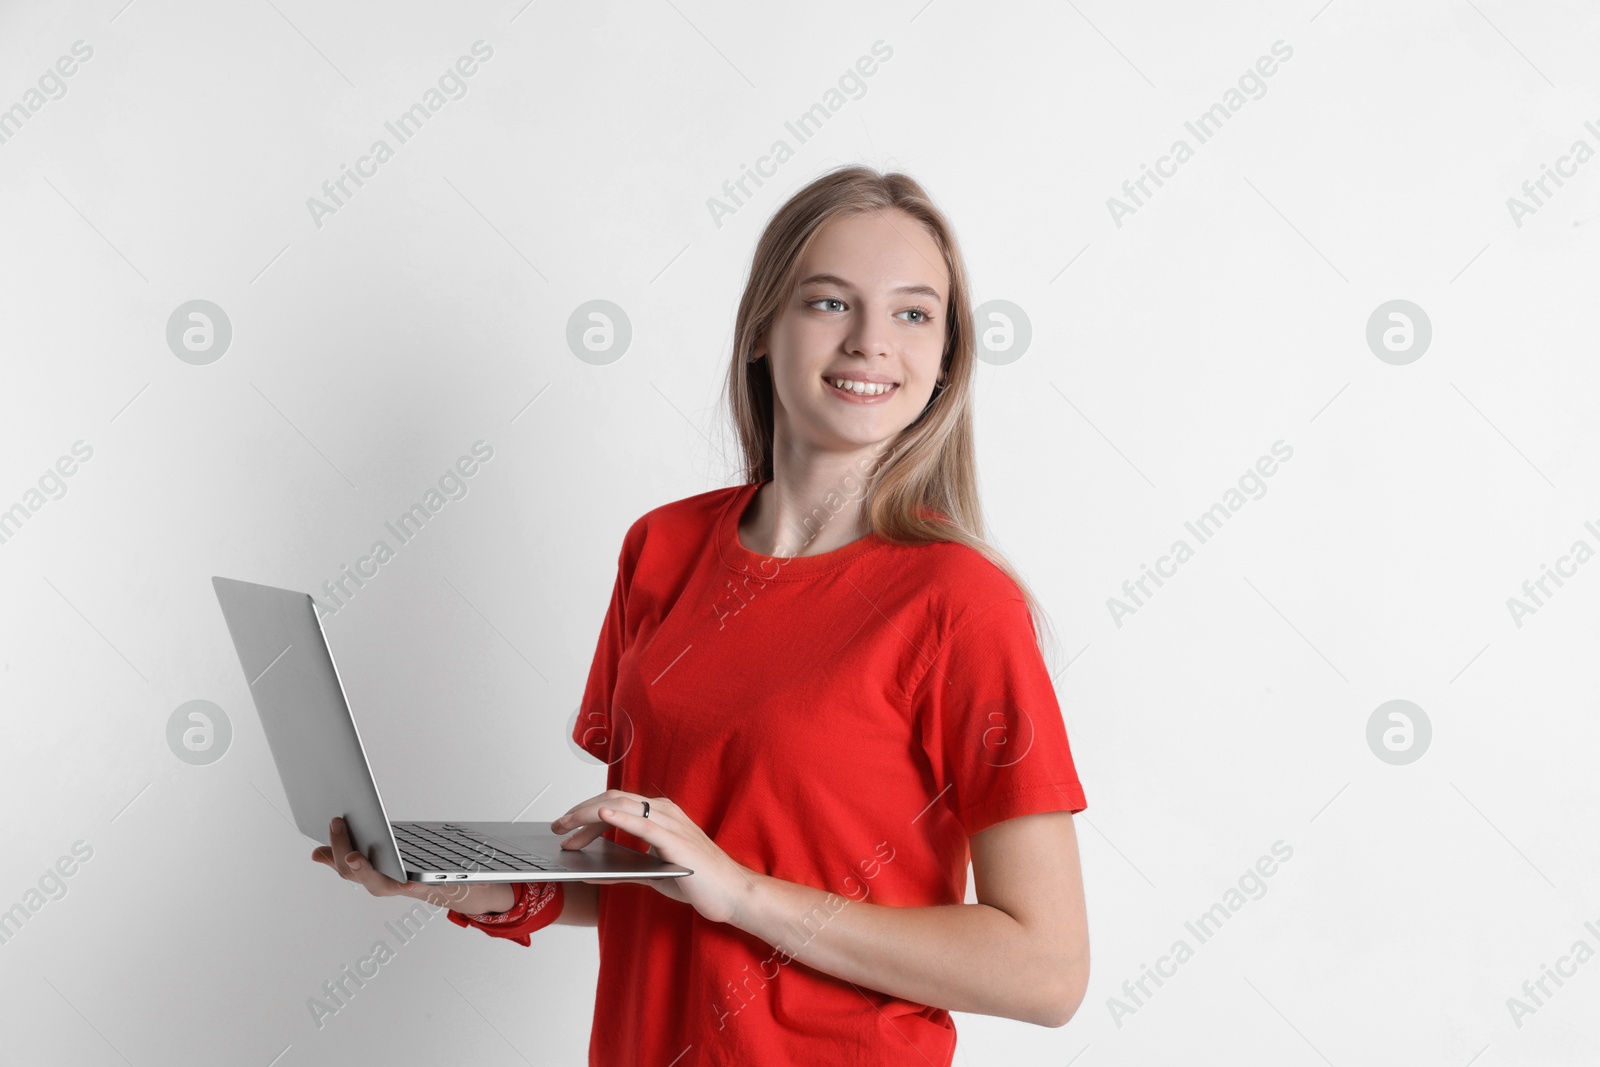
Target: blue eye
{"type": "Point", "coordinates": [924, 312]}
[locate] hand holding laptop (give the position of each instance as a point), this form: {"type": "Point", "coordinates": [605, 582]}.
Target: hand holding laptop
{"type": "Point", "coordinates": [723, 887]}
{"type": "Point", "coordinates": [333, 796]}
{"type": "Point", "coordinates": [353, 866]}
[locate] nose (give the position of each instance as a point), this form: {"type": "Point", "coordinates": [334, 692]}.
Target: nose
{"type": "Point", "coordinates": [868, 334]}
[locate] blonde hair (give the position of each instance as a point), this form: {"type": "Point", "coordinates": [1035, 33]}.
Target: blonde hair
{"type": "Point", "coordinates": [932, 464]}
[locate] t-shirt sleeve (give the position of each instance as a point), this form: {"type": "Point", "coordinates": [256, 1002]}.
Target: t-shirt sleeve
{"type": "Point", "coordinates": [537, 905]}
{"type": "Point", "coordinates": [987, 717]}
{"type": "Point", "coordinates": [594, 731]}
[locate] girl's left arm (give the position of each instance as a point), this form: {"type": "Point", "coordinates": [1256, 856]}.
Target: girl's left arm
{"type": "Point", "coordinates": [1022, 952]}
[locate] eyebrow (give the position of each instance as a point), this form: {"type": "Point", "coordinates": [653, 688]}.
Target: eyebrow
{"type": "Point", "coordinates": [834, 279]}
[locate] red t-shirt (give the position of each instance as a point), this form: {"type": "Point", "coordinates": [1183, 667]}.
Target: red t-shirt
{"type": "Point", "coordinates": [843, 721]}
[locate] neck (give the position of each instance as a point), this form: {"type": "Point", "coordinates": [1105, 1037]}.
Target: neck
{"type": "Point", "coordinates": [810, 507]}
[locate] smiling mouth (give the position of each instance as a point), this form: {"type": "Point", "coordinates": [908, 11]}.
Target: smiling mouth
{"type": "Point", "coordinates": [863, 389]}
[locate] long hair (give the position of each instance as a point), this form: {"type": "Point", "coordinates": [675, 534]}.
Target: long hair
{"type": "Point", "coordinates": [924, 489]}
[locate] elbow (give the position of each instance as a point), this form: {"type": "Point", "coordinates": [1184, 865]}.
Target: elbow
{"type": "Point", "coordinates": [1065, 1009]}
{"type": "Point", "coordinates": [1069, 985]}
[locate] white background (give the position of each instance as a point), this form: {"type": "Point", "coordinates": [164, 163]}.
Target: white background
{"type": "Point", "coordinates": [1168, 354]}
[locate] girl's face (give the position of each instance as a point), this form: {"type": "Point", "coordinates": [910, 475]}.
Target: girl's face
{"type": "Point", "coordinates": [870, 307]}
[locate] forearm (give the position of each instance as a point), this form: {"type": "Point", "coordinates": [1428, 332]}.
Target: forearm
{"type": "Point", "coordinates": [580, 906]}
{"type": "Point", "coordinates": [960, 957]}
{"type": "Point", "coordinates": [480, 898]}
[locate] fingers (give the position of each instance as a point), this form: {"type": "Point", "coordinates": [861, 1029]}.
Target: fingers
{"type": "Point", "coordinates": [580, 817]}
{"type": "Point", "coordinates": [587, 814]}
{"type": "Point", "coordinates": [584, 823]}
{"type": "Point", "coordinates": [586, 833]}
{"type": "Point", "coordinates": [340, 847]}
{"type": "Point", "coordinates": [579, 814]}
{"type": "Point", "coordinates": [610, 815]}
{"type": "Point", "coordinates": [355, 867]}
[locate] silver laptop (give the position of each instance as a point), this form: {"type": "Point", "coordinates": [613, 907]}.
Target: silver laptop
{"type": "Point", "coordinates": [314, 742]}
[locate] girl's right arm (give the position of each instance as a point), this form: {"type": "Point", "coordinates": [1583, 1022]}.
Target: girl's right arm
{"type": "Point", "coordinates": [580, 901]}
{"type": "Point", "coordinates": [579, 904]}
{"type": "Point", "coordinates": [582, 907]}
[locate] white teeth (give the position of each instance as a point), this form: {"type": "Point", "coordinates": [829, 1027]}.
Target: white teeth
{"type": "Point", "coordinates": [860, 388]}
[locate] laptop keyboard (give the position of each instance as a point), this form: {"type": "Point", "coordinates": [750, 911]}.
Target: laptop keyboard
{"type": "Point", "coordinates": [458, 851]}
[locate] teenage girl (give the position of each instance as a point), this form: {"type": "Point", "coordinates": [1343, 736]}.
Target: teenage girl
{"type": "Point", "coordinates": [823, 691]}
